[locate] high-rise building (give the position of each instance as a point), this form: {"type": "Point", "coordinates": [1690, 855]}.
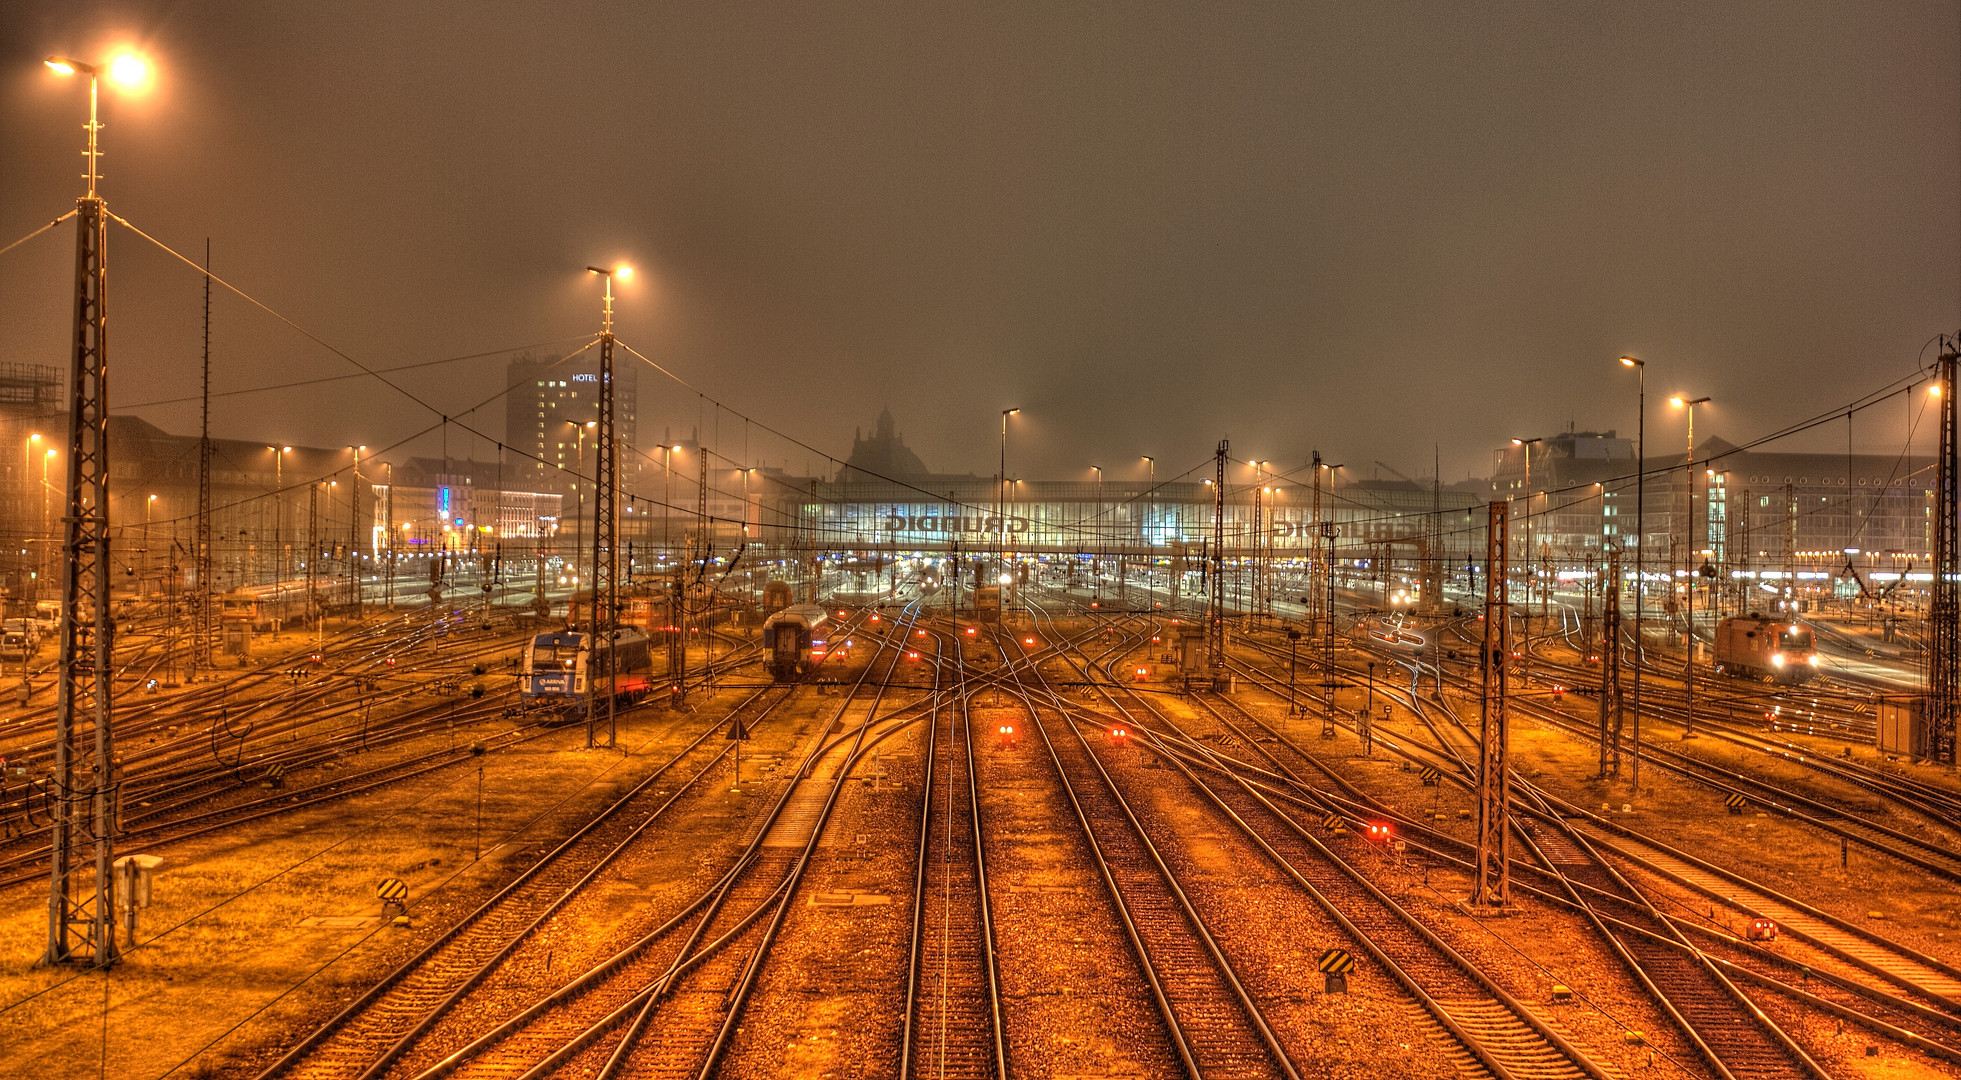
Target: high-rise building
{"type": "Point", "coordinates": [547, 409]}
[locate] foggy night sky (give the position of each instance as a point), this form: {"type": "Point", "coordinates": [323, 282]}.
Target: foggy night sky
{"type": "Point", "coordinates": [1365, 228]}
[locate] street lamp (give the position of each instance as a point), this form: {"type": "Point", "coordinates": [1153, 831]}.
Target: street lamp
{"type": "Point", "coordinates": [578, 493]}
{"type": "Point", "coordinates": [1150, 521]}
{"type": "Point", "coordinates": [149, 504]}
{"type": "Point", "coordinates": [1688, 642]}
{"type": "Point", "coordinates": [1096, 567]}
{"type": "Point", "coordinates": [126, 70]}
{"type": "Point", "coordinates": [279, 507]}
{"type": "Point", "coordinates": [1260, 491]}
{"type": "Point", "coordinates": [1525, 653]}
{"type": "Point", "coordinates": [1640, 545]}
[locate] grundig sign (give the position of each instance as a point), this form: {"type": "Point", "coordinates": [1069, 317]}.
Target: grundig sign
{"type": "Point", "coordinates": [988, 525]}
{"type": "Point", "coordinates": [933, 523]}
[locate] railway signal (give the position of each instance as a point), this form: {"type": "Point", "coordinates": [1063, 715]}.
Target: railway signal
{"type": "Point", "coordinates": [1007, 734]}
{"type": "Point", "coordinates": [393, 893]}
{"type": "Point", "coordinates": [1378, 834]}
{"type": "Point", "coordinates": [1761, 930]}
{"type": "Point", "coordinates": [1335, 964]}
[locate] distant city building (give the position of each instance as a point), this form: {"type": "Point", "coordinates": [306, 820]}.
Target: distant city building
{"type": "Point", "coordinates": [545, 413]}
{"type": "Point", "coordinates": [885, 456]}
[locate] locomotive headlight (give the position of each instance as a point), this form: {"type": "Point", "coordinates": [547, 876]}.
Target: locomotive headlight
{"type": "Point", "coordinates": [1814, 659]}
{"type": "Point", "coordinates": [1777, 660]}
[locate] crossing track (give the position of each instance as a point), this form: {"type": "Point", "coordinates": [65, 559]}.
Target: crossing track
{"type": "Point", "coordinates": [364, 1039]}
{"type": "Point", "coordinates": [1928, 1028]}
{"type": "Point", "coordinates": [664, 1000]}
{"type": "Point", "coordinates": [1485, 1030]}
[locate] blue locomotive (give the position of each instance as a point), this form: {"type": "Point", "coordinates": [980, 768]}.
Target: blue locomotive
{"type": "Point", "coordinates": [558, 667]}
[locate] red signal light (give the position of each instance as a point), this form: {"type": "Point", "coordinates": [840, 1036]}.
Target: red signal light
{"type": "Point", "coordinates": [1378, 833]}
{"type": "Point", "coordinates": [1119, 733]}
{"type": "Point", "coordinates": [1028, 641]}
{"type": "Point", "coordinates": [970, 631]}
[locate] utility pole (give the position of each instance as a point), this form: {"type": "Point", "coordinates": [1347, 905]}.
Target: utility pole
{"type": "Point", "coordinates": [1944, 616]}
{"type": "Point", "coordinates": [203, 600]}
{"type": "Point", "coordinates": [354, 532]}
{"type": "Point", "coordinates": [605, 538]}
{"type": "Point", "coordinates": [1215, 616]}
{"type": "Point", "coordinates": [1328, 532]}
{"type": "Point", "coordinates": [1316, 568]}
{"type": "Point", "coordinates": [312, 608]}
{"type": "Point", "coordinates": [388, 539]}
{"type": "Point", "coordinates": [1493, 888]}
{"type": "Point", "coordinates": [1697, 533]}
{"type": "Point", "coordinates": [1611, 716]}
{"type": "Point", "coordinates": [81, 926]}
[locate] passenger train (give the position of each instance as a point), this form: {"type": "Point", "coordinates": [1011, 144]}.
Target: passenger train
{"type": "Point", "coordinates": [1755, 647]}
{"type": "Point", "coordinates": [793, 641]}
{"type": "Point", "coordinates": [558, 668]}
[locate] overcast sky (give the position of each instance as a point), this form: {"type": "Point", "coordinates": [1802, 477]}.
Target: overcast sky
{"type": "Point", "coordinates": [1367, 228]}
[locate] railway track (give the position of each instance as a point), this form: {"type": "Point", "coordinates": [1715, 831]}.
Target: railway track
{"type": "Point", "coordinates": [1806, 983]}
{"type": "Point", "coordinates": [367, 1037]}
{"type": "Point", "coordinates": [1483, 1028]}
{"type": "Point", "coordinates": [954, 1022]}
{"type": "Point", "coordinates": [668, 997]}
{"type": "Point", "coordinates": [1217, 1027]}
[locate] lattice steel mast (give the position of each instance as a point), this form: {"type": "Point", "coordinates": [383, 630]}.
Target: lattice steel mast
{"type": "Point", "coordinates": [1494, 881]}
{"type": "Point", "coordinates": [1611, 715]}
{"type": "Point", "coordinates": [81, 927]}
{"type": "Point", "coordinates": [1944, 616]}
{"type": "Point", "coordinates": [201, 599]}
{"type": "Point", "coordinates": [605, 538]}
{"type": "Point", "coordinates": [1215, 599]}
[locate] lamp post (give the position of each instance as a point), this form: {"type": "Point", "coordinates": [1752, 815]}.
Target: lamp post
{"type": "Point", "coordinates": [1150, 519]}
{"type": "Point", "coordinates": [1640, 545]}
{"type": "Point", "coordinates": [1096, 564]}
{"type": "Point", "coordinates": [1260, 491]}
{"type": "Point", "coordinates": [1001, 505]}
{"type": "Point", "coordinates": [578, 492]}
{"type": "Point", "coordinates": [1688, 643]}
{"type": "Point", "coordinates": [149, 505]}
{"type": "Point", "coordinates": [354, 531]}
{"type": "Point", "coordinates": [279, 509]}
{"type": "Point", "coordinates": [1525, 650]}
